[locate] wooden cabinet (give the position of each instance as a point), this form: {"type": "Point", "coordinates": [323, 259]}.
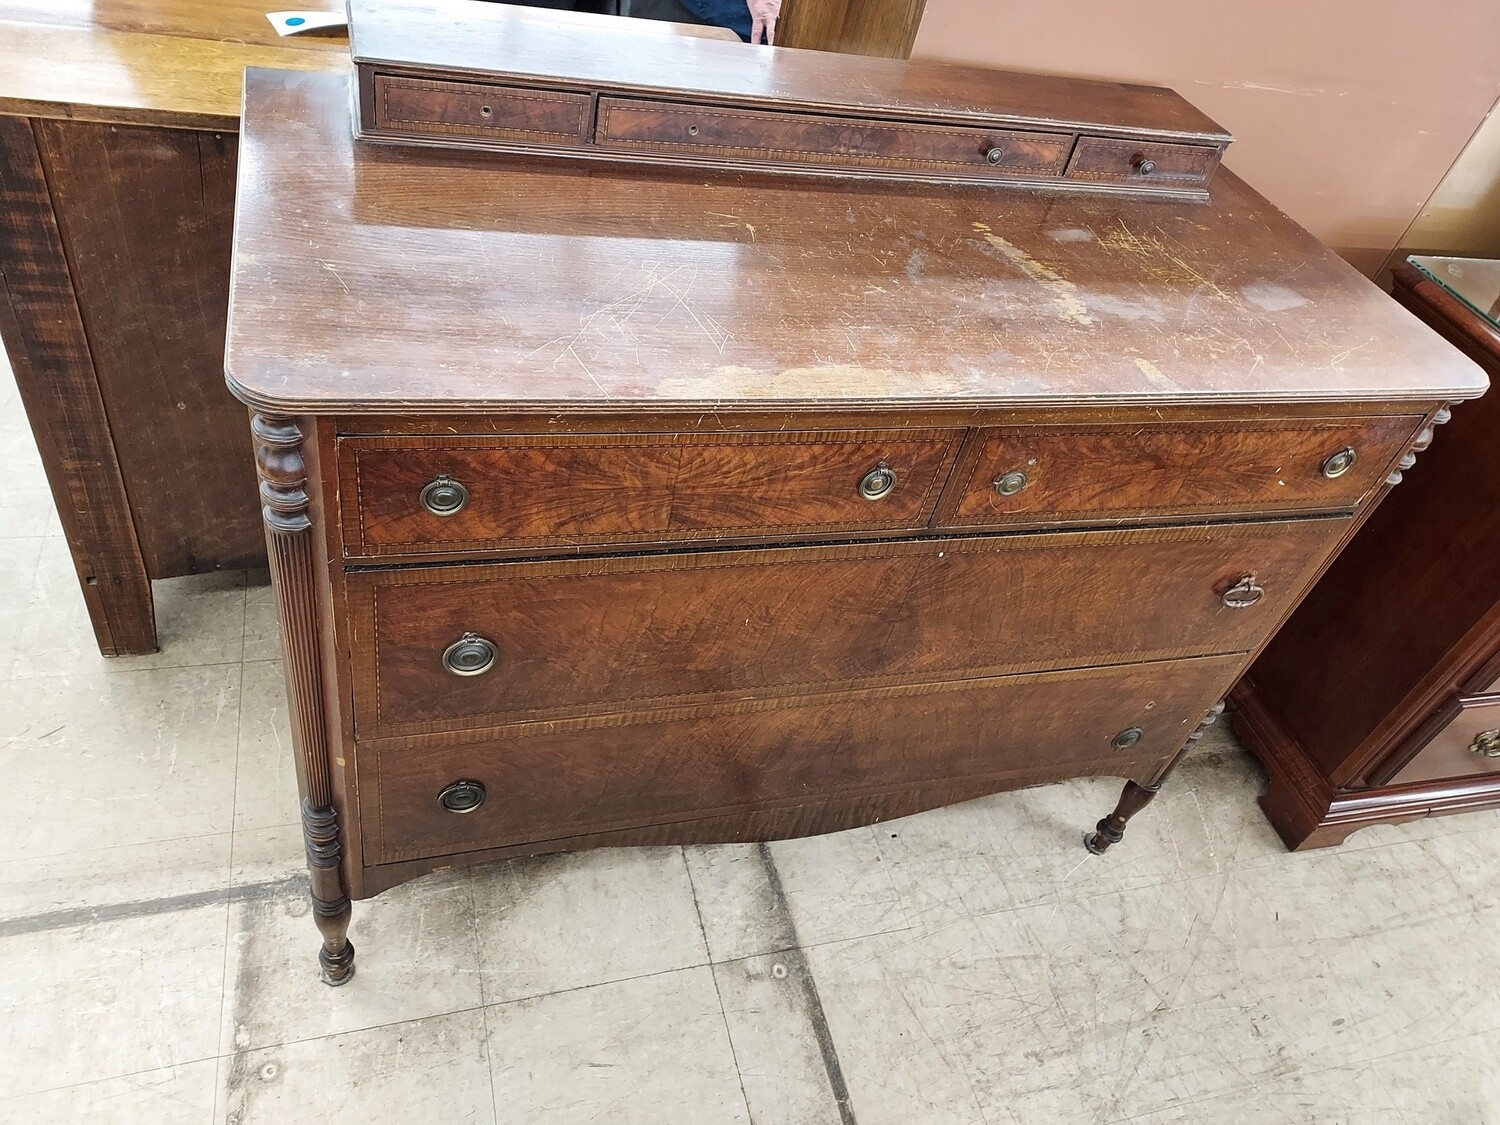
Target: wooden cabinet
{"type": "Point", "coordinates": [1380, 698]}
{"type": "Point", "coordinates": [618, 506]}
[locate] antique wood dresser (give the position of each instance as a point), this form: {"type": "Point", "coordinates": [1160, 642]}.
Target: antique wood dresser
{"type": "Point", "coordinates": [1380, 699]}
{"type": "Point", "coordinates": [615, 505]}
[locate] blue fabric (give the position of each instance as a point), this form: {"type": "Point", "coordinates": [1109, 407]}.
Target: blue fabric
{"type": "Point", "coordinates": [733, 14]}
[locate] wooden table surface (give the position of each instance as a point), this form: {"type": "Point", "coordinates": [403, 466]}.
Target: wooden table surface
{"type": "Point", "coordinates": [535, 286]}
{"type": "Point", "coordinates": [164, 62]}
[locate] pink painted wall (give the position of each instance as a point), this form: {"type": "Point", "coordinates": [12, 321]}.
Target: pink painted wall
{"type": "Point", "coordinates": [1346, 113]}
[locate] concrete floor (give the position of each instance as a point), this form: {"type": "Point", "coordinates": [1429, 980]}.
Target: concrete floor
{"type": "Point", "coordinates": [968, 965]}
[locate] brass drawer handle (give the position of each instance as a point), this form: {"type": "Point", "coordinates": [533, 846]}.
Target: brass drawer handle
{"type": "Point", "coordinates": [445, 496]}
{"type": "Point", "coordinates": [1487, 743]}
{"type": "Point", "coordinates": [995, 155]}
{"type": "Point", "coordinates": [470, 655]}
{"type": "Point", "coordinates": [1127, 738]}
{"type": "Point", "coordinates": [878, 482]}
{"type": "Point", "coordinates": [1243, 594]}
{"type": "Point", "coordinates": [1012, 483]}
{"type": "Point", "coordinates": [1340, 463]}
{"type": "Point", "coordinates": [1143, 165]}
{"type": "Point", "coordinates": [463, 796]}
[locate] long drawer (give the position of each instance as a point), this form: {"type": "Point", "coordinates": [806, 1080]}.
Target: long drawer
{"type": "Point", "coordinates": [538, 783]}
{"type": "Point", "coordinates": [414, 495]}
{"type": "Point", "coordinates": [1061, 474]}
{"type": "Point", "coordinates": [782, 137]}
{"type": "Point", "coordinates": [445, 648]}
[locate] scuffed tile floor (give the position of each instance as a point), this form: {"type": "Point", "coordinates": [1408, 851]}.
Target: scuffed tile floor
{"type": "Point", "coordinates": [970, 965]}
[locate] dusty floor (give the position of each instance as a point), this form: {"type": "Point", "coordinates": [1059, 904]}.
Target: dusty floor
{"type": "Point", "coordinates": [968, 965]}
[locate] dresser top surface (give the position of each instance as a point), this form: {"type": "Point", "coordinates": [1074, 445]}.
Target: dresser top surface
{"type": "Point", "coordinates": [374, 278]}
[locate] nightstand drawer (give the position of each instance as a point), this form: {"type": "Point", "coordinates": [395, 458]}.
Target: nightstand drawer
{"type": "Point", "coordinates": [1142, 163]}
{"type": "Point", "coordinates": [480, 109]}
{"type": "Point", "coordinates": [707, 131]}
{"type": "Point", "coordinates": [419, 495]}
{"type": "Point", "coordinates": [474, 646]}
{"type": "Point", "coordinates": [1466, 744]}
{"type": "Point", "coordinates": [538, 784]}
{"type": "Point", "coordinates": [1056, 474]}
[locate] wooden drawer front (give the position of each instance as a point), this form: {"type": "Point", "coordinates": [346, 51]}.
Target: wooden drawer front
{"type": "Point", "coordinates": [474, 109]}
{"type": "Point", "coordinates": [1113, 472]}
{"type": "Point", "coordinates": [545, 783]}
{"type": "Point", "coordinates": [537, 491]}
{"type": "Point", "coordinates": [1468, 743]}
{"type": "Point", "coordinates": [711, 132]}
{"type": "Point", "coordinates": [593, 636]}
{"type": "Point", "coordinates": [1142, 163]}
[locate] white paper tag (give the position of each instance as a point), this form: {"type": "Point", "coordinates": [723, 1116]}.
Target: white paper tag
{"type": "Point", "coordinates": [295, 23]}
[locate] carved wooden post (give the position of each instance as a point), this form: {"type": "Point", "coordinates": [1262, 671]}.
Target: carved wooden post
{"type": "Point", "coordinates": [289, 543]}
{"type": "Point", "coordinates": [1111, 830]}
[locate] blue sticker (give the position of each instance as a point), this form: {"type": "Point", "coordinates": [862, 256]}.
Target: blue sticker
{"type": "Point", "coordinates": [295, 21]}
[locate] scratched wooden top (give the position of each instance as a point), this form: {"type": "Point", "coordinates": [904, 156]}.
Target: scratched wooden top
{"type": "Point", "coordinates": [389, 279]}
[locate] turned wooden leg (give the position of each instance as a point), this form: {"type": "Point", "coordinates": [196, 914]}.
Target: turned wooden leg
{"type": "Point", "coordinates": [289, 543]}
{"type": "Point", "coordinates": [1111, 830]}
{"type": "Point", "coordinates": [330, 905]}
{"type": "Point", "coordinates": [1137, 795]}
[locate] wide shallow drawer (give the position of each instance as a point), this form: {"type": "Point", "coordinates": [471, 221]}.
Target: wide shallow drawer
{"type": "Point", "coordinates": [479, 109]}
{"type": "Point", "coordinates": [1467, 744]}
{"type": "Point", "coordinates": [1146, 164]}
{"type": "Point", "coordinates": [544, 783]}
{"type": "Point", "coordinates": [600, 635]}
{"type": "Point", "coordinates": [1054, 474]}
{"type": "Point", "coordinates": [534, 491]}
{"type": "Point", "coordinates": [778, 137]}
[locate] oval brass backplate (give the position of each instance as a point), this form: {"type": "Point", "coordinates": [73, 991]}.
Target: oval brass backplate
{"type": "Point", "coordinates": [1012, 482]}
{"type": "Point", "coordinates": [1340, 463]}
{"type": "Point", "coordinates": [470, 655]}
{"type": "Point", "coordinates": [463, 796]}
{"type": "Point", "coordinates": [877, 483]}
{"type": "Point", "coordinates": [445, 496]}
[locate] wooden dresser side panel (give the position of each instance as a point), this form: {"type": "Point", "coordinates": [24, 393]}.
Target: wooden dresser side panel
{"type": "Point", "coordinates": [146, 216]}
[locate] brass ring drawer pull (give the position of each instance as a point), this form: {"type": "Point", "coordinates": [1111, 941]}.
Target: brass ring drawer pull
{"type": "Point", "coordinates": [1487, 743]}
{"type": "Point", "coordinates": [470, 655]}
{"type": "Point", "coordinates": [445, 497]}
{"type": "Point", "coordinates": [877, 483]}
{"type": "Point", "coordinates": [463, 796]}
{"type": "Point", "coordinates": [1012, 483]}
{"type": "Point", "coordinates": [1127, 738]}
{"type": "Point", "coordinates": [1340, 463]}
{"type": "Point", "coordinates": [1243, 594]}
